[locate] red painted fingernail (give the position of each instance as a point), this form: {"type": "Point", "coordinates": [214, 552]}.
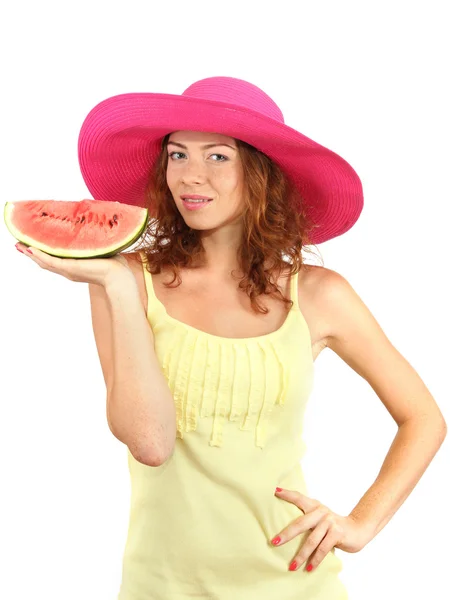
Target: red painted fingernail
{"type": "Point", "coordinates": [293, 566]}
{"type": "Point", "coordinates": [28, 250]}
{"type": "Point", "coordinates": [276, 540]}
{"type": "Point", "coordinates": [20, 250]}
{"type": "Point", "coordinates": [309, 567]}
{"type": "Point", "coordinates": [279, 489]}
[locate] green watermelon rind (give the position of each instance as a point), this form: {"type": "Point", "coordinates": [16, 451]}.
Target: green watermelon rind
{"type": "Point", "coordinates": [103, 252]}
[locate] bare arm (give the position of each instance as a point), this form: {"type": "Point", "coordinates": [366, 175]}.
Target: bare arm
{"type": "Point", "coordinates": [358, 339]}
{"type": "Point", "coordinates": [140, 406]}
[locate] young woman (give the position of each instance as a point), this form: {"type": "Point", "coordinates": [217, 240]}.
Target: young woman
{"type": "Point", "coordinates": [207, 337]}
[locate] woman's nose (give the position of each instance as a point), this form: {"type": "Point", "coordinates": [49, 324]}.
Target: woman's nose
{"type": "Point", "coordinates": [193, 172]}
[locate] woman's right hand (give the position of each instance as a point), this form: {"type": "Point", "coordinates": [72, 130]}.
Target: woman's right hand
{"type": "Point", "coordinates": [89, 270]}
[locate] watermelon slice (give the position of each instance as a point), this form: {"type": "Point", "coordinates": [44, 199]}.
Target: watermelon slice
{"type": "Point", "coordinates": [76, 229]}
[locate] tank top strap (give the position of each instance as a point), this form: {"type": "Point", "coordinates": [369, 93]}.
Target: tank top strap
{"type": "Point", "coordinates": [155, 308]}
{"type": "Point", "coordinates": [294, 290]}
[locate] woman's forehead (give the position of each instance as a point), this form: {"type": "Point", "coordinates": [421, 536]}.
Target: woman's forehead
{"type": "Point", "coordinates": [200, 136]}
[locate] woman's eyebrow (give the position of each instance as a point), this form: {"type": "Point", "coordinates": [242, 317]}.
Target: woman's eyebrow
{"type": "Point", "coordinates": [204, 147]}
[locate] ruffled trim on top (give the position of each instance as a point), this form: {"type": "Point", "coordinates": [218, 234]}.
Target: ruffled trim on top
{"type": "Point", "coordinates": [240, 384]}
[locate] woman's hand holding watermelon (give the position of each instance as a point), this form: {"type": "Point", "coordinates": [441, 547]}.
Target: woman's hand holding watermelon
{"type": "Point", "coordinates": [90, 270]}
{"type": "Point", "coordinates": [77, 229]}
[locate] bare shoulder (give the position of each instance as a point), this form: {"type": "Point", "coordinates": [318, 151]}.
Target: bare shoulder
{"type": "Point", "coordinates": [135, 265]}
{"type": "Point", "coordinates": [311, 277]}
{"type": "Point", "coordinates": [341, 311]}
{"type": "Point", "coordinates": [354, 334]}
{"type": "Point", "coordinates": [325, 286]}
{"type": "Point", "coordinates": [337, 316]}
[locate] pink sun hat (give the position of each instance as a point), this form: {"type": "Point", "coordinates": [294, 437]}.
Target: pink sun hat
{"type": "Point", "coordinates": [120, 140]}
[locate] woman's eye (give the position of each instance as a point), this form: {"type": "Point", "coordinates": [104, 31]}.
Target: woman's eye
{"type": "Point", "coordinates": [224, 158]}
{"type": "Point", "coordinates": [171, 154]}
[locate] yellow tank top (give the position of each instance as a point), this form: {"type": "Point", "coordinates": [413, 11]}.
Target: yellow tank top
{"type": "Point", "coordinates": [201, 523]}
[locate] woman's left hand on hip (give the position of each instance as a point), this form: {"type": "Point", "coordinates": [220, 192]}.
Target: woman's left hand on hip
{"type": "Point", "coordinates": [329, 530]}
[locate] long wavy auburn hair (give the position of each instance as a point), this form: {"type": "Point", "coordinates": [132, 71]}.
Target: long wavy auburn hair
{"type": "Point", "coordinates": [276, 228]}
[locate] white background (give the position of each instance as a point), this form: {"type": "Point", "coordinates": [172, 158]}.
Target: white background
{"type": "Point", "coordinates": [372, 81]}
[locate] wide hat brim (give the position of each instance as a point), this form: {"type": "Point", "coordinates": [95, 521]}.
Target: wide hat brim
{"type": "Point", "coordinates": [120, 141]}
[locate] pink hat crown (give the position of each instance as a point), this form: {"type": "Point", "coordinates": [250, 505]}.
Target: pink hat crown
{"type": "Point", "coordinates": [230, 90]}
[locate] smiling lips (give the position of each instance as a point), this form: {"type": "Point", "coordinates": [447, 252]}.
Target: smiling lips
{"type": "Point", "coordinates": [194, 197]}
{"type": "Point", "coordinates": [194, 201]}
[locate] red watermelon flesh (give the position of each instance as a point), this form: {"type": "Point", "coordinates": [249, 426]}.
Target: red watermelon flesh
{"type": "Point", "coordinates": [75, 229]}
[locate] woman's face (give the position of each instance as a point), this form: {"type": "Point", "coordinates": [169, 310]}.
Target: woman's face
{"type": "Point", "coordinates": [195, 168]}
